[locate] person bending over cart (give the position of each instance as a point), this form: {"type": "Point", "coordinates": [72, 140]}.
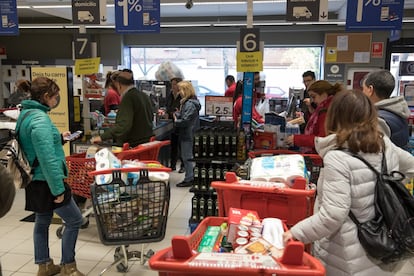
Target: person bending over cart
{"type": "Point", "coordinates": [345, 184]}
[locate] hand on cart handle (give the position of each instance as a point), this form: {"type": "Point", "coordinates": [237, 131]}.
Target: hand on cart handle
{"type": "Point", "coordinates": [157, 168]}
{"type": "Point", "coordinates": [287, 236]}
{"type": "Point", "coordinates": [96, 140]}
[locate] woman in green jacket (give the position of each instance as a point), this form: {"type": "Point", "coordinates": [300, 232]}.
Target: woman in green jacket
{"type": "Point", "coordinates": [47, 192]}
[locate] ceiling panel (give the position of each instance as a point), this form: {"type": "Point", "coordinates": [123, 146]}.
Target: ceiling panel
{"type": "Point", "coordinates": [59, 12]}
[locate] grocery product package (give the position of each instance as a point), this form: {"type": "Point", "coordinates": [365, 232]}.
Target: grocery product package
{"type": "Point", "coordinates": [105, 159]}
{"type": "Point", "coordinates": [283, 168]}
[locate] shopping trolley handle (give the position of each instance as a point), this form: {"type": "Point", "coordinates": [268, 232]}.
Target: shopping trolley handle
{"type": "Point", "coordinates": [130, 169]}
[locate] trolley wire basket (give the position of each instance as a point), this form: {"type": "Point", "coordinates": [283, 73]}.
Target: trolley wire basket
{"type": "Point", "coordinates": [79, 166]}
{"type": "Point", "coordinates": [130, 214]}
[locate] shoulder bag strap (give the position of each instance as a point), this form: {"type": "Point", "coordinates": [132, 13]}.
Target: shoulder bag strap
{"type": "Point", "coordinates": [383, 166]}
{"type": "Point", "coordinates": [16, 133]}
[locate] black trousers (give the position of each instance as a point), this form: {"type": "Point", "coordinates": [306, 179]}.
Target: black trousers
{"type": "Point", "coordinates": [175, 150]}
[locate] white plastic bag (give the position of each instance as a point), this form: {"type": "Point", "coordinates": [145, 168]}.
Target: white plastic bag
{"type": "Point", "coordinates": [168, 71]}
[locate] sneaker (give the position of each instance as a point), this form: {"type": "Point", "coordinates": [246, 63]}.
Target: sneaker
{"type": "Point", "coordinates": [182, 170]}
{"type": "Point", "coordinates": [185, 184]}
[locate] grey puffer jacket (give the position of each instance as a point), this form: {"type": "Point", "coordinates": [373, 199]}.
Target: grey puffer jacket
{"type": "Point", "coordinates": [345, 183]}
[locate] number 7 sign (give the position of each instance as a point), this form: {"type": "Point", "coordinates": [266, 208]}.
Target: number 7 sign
{"type": "Point", "coordinates": [82, 46]}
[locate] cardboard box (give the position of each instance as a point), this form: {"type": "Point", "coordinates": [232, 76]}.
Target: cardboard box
{"type": "Point", "coordinates": [241, 216]}
{"type": "Point", "coordinates": [265, 140]}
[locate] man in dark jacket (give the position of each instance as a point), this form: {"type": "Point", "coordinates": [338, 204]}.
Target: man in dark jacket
{"type": "Point", "coordinates": [392, 112]}
{"type": "Point", "coordinates": [134, 119]}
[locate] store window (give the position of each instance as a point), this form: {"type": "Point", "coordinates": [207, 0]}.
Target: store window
{"type": "Point", "coordinates": [208, 67]}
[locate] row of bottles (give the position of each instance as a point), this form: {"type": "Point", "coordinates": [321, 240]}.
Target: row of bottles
{"type": "Point", "coordinates": [215, 142]}
{"type": "Point", "coordinates": [203, 206]}
{"type": "Point", "coordinates": [204, 174]}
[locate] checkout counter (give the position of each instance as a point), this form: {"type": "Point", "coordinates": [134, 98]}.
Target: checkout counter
{"type": "Point", "coordinates": [162, 132]}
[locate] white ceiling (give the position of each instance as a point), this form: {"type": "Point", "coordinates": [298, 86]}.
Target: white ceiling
{"type": "Point", "coordinates": [59, 12]}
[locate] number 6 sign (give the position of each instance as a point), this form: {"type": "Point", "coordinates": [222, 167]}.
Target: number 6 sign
{"type": "Point", "coordinates": [249, 57]}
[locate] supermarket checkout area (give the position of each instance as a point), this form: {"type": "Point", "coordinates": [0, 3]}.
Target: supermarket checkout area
{"type": "Point", "coordinates": [162, 131]}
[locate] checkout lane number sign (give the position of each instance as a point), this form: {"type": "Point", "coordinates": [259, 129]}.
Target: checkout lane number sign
{"type": "Point", "coordinates": [219, 106]}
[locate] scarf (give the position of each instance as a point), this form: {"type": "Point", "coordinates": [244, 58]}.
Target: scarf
{"type": "Point", "coordinates": [313, 120]}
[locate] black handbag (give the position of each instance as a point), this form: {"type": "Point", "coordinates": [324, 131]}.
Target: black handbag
{"type": "Point", "coordinates": [389, 236]}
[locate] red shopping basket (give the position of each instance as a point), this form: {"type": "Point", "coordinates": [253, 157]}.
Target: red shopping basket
{"type": "Point", "coordinates": [182, 259]}
{"type": "Point", "coordinates": [289, 204]}
{"type": "Point", "coordinates": [79, 166]}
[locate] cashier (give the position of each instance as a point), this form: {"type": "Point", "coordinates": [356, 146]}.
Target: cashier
{"type": "Point", "coordinates": [133, 123]}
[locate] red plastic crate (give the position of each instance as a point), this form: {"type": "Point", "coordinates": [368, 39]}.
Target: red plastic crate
{"type": "Point", "coordinates": [176, 260]}
{"type": "Point", "coordinates": [79, 166]}
{"type": "Point", "coordinates": [290, 204]}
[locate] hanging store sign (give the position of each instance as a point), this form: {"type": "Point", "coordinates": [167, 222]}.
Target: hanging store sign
{"type": "Point", "coordinates": [88, 12]}
{"type": "Point", "coordinates": [137, 16]}
{"type": "Point", "coordinates": [87, 66]}
{"type": "Point", "coordinates": [374, 15]}
{"type": "Point", "coordinates": [82, 46]}
{"type": "Point", "coordinates": [307, 10]}
{"type": "Point", "coordinates": [250, 56]}
{"type": "Point", "coordinates": [9, 19]}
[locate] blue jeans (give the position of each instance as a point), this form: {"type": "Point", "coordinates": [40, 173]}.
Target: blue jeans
{"type": "Point", "coordinates": [72, 217]}
{"type": "Point", "coordinates": [187, 155]}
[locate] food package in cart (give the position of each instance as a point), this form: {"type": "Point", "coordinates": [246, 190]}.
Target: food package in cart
{"type": "Point", "coordinates": [105, 159]}
{"type": "Point", "coordinates": [239, 217]}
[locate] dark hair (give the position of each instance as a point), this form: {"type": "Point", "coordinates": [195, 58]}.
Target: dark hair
{"type": "Point", "coordinates": [322, 86]}
{"type": "Point", "coordinates": [230, 78]}
{"type": "Point", "coordinates": [23, 85]}
{"type": "Point", "coordinates": [238, 91]}
{"type": "Point", "coordinates": [42, 85]}
{"type": "Point", "coordinates": [108, 81]}
{"type": "Point", "coordinates": [124, 77]}
{"type": "Point", "coordinates": [309, 74]}
{"type": "Point", "coordinates": [382, 81]}
{"type": "Point", "coordinates": [176, 79]}
{"type": "Point", "coordinates": [353, 118]}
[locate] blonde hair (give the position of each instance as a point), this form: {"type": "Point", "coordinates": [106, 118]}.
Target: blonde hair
{"type": "Point", "coordinates": [188, 90]}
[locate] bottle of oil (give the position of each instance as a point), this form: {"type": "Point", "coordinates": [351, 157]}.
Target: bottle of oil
{"type": "Point", "coordinates": [241, 146]}
{"type": "Point", "coordinates": [196, 182]}
{"type": "Point", "coordinates": [203, 179]}
{"type": "Point", "coordinates": [220, 143]}
{"type": "Point", "coordinates": [202, 209]}
{"type": "Point", "coordinates": [204, 143]}
{"type": "Point", "coordinates": [210, 210]}
{"type": "Point", "coordinates": [194, 209]}
{"type": "Point", "coordinates": [210, 173]}
{"type": "Point", "coordinates": [233, 144]}
{"type": "Point", "coordinates": [197, 149]}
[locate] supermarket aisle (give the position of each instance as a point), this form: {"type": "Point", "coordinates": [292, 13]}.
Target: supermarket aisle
{"type": "Point", "coordinates": [16, 246]}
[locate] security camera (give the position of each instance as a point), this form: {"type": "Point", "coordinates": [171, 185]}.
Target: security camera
{"type": "Point", "coordinates": [189, 4]}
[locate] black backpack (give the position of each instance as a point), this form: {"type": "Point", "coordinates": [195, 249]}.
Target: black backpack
{"type": "Point", "coordinates": [389, 236]}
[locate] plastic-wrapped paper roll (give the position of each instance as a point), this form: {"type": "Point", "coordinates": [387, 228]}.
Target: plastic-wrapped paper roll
{"type": "Point", "coordinates": [159, 176]}
{"type": "Point", "coordinates": [103, 164]}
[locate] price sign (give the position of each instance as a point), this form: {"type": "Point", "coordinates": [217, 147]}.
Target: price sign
{"type": "Point", "coordinates": [219, 106]}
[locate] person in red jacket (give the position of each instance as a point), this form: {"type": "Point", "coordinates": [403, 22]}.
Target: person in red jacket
{"type": "Point", "coordinates": [237, 107]}
{"type": "Point", "coordinates": [321, 93]}
{"type": "Point", "coordinates": [231, 86]}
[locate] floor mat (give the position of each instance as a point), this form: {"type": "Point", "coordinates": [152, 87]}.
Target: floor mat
{"type": "Point", "coordinates": [31, 218]}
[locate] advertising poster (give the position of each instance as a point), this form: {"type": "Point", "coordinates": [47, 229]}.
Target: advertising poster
{"type": "Point", "coordinates": [374, 15]}
{"type": "Point", "coordinates": [59, 115]}
{"type": "Point", "coordinates": [9, 19]}
{"type": "Point", "coordinates": [135, 16]}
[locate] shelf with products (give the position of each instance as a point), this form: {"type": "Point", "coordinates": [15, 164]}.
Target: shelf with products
{"type": "Point", "coordinates": [215, 153]}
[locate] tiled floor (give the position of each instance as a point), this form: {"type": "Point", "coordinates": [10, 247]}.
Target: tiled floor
{"type": "Point", "coordinates": [16, 245]}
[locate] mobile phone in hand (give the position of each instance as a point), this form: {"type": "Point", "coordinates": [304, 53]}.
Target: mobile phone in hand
{"type": "Point", "coordinates": [73, 136]}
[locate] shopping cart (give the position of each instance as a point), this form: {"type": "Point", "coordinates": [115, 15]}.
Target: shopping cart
{"type": "Point", "coordinates": [183, 259]}
{"type": "Point", "coordinates": [79, 166]}
{"type": "Point", "coordinates": [288, 204]}
{"type": "Point", "coordinates": [131, 214]}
